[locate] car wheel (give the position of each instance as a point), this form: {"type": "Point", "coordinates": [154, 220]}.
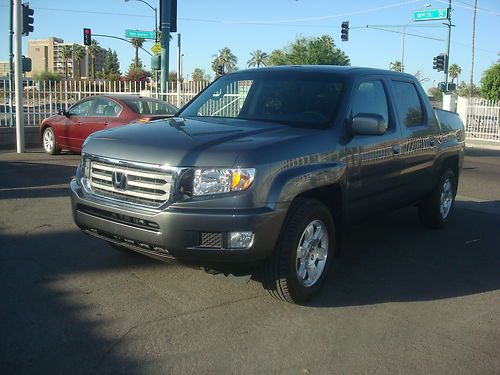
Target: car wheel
{"type": "Point", "coordinates": [435, 211]}
{"type": "Point", "coordinates": [49, 142]}
{"type": "Point", "coordinates": [298, 267]}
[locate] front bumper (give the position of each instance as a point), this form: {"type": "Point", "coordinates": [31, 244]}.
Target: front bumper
{"type": "Point", "coordinates": [175, 232]}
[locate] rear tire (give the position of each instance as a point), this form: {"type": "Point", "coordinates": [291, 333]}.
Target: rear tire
{"type": "Point", "coordinates": [299, 265]}
{"type": "Point", "coordinates": [435, 211]}
{"type": "Point", "coordinates": [49, 142]}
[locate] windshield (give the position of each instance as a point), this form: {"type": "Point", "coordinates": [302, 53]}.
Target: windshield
{"type": "Point", "coordinates": [294, 98]}
{"type": "Point", "coordinates": [150, 107]}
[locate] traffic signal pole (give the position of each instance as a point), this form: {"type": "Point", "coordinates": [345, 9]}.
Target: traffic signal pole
{"type": "Point", "coordinates": [164, 43]}
{"type": "Point", "coordinates": [448, 38]}
{"type": "Point", "coordinates": [18, 75]}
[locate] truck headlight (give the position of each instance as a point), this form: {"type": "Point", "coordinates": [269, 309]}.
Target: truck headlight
{"type": "Point", "coordinates": [216, 181]}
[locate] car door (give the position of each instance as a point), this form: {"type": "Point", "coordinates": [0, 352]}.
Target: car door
{"type": "Point", "coordinates": [104, 113]}
{"type": "Point", "coordinates": [420, 131]}
{"type": "Point", "coordinates": [77, 116]}
{"type": "Point", "coordinates": [373, 165]}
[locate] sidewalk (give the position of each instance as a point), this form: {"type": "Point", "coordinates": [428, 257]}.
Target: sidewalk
{"type": "Point", "coordinates": [486, 145]}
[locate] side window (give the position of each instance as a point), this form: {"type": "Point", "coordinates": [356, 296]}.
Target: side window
{"type": "Point", "coordinates": [408, 104]}
{"type": "Point", "coordinates": [105, 108]}
{"type": "Point", "coordinates": [369, 97]}
{"type": "Point", "coordinates": [81, 109]}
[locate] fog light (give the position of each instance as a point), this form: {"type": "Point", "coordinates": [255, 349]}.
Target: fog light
{"type": "Point", "coordinates": [240, 240]}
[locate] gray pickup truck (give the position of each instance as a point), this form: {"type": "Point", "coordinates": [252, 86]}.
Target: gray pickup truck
{"type": "Point", "coordinates": [266, 166]}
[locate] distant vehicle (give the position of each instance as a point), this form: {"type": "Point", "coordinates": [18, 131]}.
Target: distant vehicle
{"type": "Point", "coordinates": [69, 129]}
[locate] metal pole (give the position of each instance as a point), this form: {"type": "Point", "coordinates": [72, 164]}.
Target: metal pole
{"type": "Point", "coordinates": [178, 70]}
{"type": "Point", "coordinates": [403, 52]}
{"type": "Point", "coordinates": [472, 57]}
{"type": "Point", "coordinates": [11, 60]}
{"type": "Point", "coordinates": [18, 76]}
{"type": "Point", "coordinates": [448, 38]}
{"type": "Point", "coordinates": [164, 42]}
{"type": "Point", "coordinates": [156, 25]}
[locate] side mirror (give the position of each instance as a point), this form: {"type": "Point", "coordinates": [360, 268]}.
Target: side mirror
{"type": "Point", "coordinates": [368, 124]}
{"type": "Point", "coordinates": [63, 112]}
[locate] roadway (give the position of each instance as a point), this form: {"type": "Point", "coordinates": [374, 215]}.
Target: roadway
{"type": "Point", "coordinates": [402, 300]}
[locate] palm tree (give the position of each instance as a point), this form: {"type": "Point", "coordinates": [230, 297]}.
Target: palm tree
{"type": "Point", "coordinates": [225, 58]}
{"type": "Point", "coordinates": [93, 51]}
{"type": "Point", "coordinates": [257, 58]}
{"type": "Point", "coordinates": [78, 55]}
{"type": "Point", "coordinates": [396, 66]}
{"type": "Point", "coordinates": [454, 70]}
{"type": "Point", "coordinates": [136, 43]}
{"type": "Point", "coordinates": [66, 54]}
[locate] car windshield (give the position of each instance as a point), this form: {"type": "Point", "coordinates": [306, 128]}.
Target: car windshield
{"type": "Point", "coordinates": [150, 107]}
{"type": "Point", "coordinates": [304, 99]}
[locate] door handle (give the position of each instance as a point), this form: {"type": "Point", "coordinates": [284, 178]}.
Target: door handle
{"type": "Point", "coordinates": [396, 149]}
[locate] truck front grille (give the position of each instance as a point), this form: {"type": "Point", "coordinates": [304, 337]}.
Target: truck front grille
{"type": "Point", "coordinates": [131, 184]}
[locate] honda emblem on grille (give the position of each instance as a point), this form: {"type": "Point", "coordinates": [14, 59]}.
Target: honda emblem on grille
{"type": "Point", "coordinates": [119, 180]}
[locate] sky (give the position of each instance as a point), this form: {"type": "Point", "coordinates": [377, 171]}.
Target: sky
{"type": "Point", "coordinates": [207, 26]}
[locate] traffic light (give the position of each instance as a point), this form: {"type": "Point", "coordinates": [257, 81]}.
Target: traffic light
{"type": "Point", "coordinates": [344, 32]}
{"type": "Point", "coordinates": [27, 19]}
{"type": "Point", "coordinates": [220, 70]}
{"type": "Point", "coordinates": [440, 62]}
{"type": "Point", "coordinates": [87, 37]}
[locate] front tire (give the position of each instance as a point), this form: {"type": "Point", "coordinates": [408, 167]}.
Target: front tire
{"type": "Point", "coordinates": [300, 263]}
{"type": "Point", "coordinates": [49, 142]}
{"type": "Point", "coordinates": [435, 211]}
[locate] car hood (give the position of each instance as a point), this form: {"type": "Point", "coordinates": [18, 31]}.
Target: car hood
{"type": "Point", "coordinates": [180, 142]}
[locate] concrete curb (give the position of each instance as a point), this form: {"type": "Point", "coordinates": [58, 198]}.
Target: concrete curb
{"type": "Point", "coordinates": [8, 137]}
{"type": "Point", "coordinates": [485, 145]}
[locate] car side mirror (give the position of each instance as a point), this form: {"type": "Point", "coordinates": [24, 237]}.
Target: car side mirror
{"type": "Point", "coordinates": [63, 112]}
{"type": "Point", "coordinates": [368, 124]}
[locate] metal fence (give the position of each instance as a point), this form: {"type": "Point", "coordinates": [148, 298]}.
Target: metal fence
{"type": "Point", "coordinates": [44, 98]}
{"type": "Point", "coordinates": [481, 118]}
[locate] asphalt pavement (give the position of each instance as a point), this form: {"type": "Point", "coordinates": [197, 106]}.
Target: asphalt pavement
{"type": "Point", "coordinates": [403, 299]}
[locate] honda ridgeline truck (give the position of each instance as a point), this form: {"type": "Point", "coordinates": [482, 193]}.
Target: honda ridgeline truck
{"type": "Point", "coordinates": [267, 166]}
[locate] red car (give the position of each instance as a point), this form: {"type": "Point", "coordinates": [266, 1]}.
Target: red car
{"type": "Point", "coordinates": [69, 129]}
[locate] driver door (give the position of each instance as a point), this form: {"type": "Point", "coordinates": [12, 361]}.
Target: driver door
{"type": "Point", "coordinates": [77, 117]}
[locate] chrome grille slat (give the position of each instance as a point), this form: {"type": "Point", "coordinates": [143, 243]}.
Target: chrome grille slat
{"type": "Point", "coordinates": [145, 187]}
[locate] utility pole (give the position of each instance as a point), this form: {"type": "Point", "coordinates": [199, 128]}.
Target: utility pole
{"type": "Point", "coordinates": [179, 70]}
{"type": "Point", "coordinates": [11, 60]}
{"type": "Point", "coordinates": [447, 61]}
{"type": "Point", "coordinates": [473, 39]}
{"type": "Point", "coordinates": [164, 42]}
{"type": "Point", "coordinates": [18, 43]}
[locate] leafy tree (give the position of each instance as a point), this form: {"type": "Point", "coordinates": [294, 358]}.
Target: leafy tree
{"type": "Point", "coordinates": [137, 43]}
{"type": "Point", "coordinates": [309, 51]}
{"type": "Point", "coordinates": [46, 76]}
{"type": "Point", "coordinates": [78, 55]}
{"type": "Point", "coordinates": [199, 75]}
{"type": "Point", "coordinates": [66, 54]}
{"type": "Point", "coordinates": [137, 74]}
{"type": "Point", "coordinates": [258, 58]}
{"type": "Point", "coordinates": [435, 94]}
{"type": "Point", "coordinates": [111, 66]}
{"type": "Point", "coordinates": [490, 83]}
{"type": "Point", "coordinates": [93, 50]}
{"type": "Point", "coordinates": [464, 89]}
{"type": "Point", "coordinates": [454, 70]}
{"type": "Point", "coordinates": [225, 58]}
{"type": "Point", "coordinates": [396, 66]}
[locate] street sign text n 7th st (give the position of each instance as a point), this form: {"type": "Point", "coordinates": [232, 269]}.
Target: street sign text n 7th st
{"type": "Point", "coordinates": [430, 15]}
{"type": "Point", "coordinates": [140, 34]}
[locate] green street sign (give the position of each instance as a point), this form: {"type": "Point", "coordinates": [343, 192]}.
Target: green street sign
{"type": "Point", "coordinates": [140, 34]}
{"type": "Point", "coordinates": [430, 15]}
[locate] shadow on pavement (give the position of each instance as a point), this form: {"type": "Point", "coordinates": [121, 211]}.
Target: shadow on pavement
{"type": "Point", "coordinates": [393, 259]}
{"type": "Point", "coordinates": [49, 320]}
{"type": "Point", "coordinates": [478, 152]}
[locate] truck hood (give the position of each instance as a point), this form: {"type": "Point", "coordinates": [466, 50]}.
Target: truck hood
{"type": "Point", "coordinates": [186, 142]}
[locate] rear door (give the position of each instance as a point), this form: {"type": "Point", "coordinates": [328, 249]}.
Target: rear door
{"type": "Point", "coordinates": [103, 113]}
{"type": "Point", "coordinates": [373, 160]}
{"type": "Point", "coordinates": [420, 131]}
